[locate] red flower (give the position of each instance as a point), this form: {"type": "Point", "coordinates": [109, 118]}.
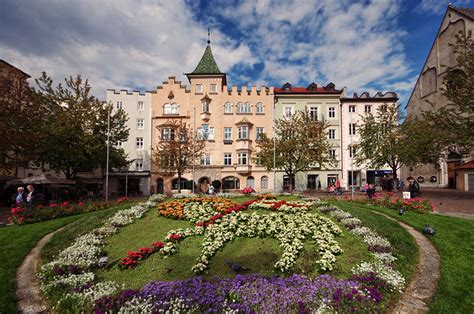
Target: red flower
{"type": "Point", "coordinates": [64, 204]}
{"type": "Point", "coordinates": [53, 205]}
{"type": "Point", "coordinates": [200, 224]}
{"type": "Point", "coordinates": [135, 255]}
{"type": "Point", "coordinates": [175, 236]}
{"type": "Point", "coordinates": [39, 206]}
{"type": "Point", "coordinates": [215, 217]}
{"type": "Point", "coordinates": [128, 262]}
{"type": "Point", "coordinates": [158, 244]}
{"type": "Point", "coordinates": [145, 250]}
{"type": "Point", "coordinates": [80, 203]}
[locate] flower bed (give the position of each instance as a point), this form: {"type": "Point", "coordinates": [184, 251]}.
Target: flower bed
{"type": "Point", "coordinates": [176, 208]}
{"type": "Point", "coordinates": [250, 294]}
{"type": "Point", "coordinates": [418, 204]}
{"type": "Point", "coordinates": [70, 275]}
{"type": "Point", "coordinates": [20, 216]}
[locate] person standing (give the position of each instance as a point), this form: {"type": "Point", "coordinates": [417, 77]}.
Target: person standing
{"type": "Point", "coordinates": [413, 187]}
{"type": "Point", "coordinates": [20, 198]}
{"type": "Point", "coordinates": [30, 198]}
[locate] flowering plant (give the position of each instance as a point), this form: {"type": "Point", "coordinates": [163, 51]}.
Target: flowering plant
{"type": "Point", "coordinates": [248, 190]}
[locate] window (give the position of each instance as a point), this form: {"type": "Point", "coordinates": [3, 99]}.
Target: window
{"type": "Point", "coordinates": [243, 158]}
{"type": "Point", "coordinates": [352, 108]}
{"type": "Point", "coordinates": [227, 134]}
{"type": "Point", "coordinates": [227, 159]}
{"type": "Point", "coordinates": [140, 124]}
{"type": "Point", "coordinates": [312, 181]}
{"type": "Point", "coordinates": [243, 132]}
{"type": "Point", "coordinates": [352, 151]}
{"type": "Point", "coordinates": [140, 105]}
{"type": "Point", "coordinates": [332, 134]}
{"type": "Point", "coordinates": [332, 153]}
{"type": "Point", "coordinates": [313, 113]}
{"type": "Point", "coordinates": [139, 142]}
{"type": "Point", "coordinates": [205, 160]}
{"type": "Point", "coordinates": [213, 88]}
{"type": "Point", "coordinates": [352, 128]}
{"type": "Point", "coordinates": [230, 183]}
{"type": "Point", "coordinates": [260, 108]}
{"type": "Point", "coordinates": [167, 134]}
{"type": "Point", "coordinates": [139, 165]}
{"type": "Point", "coordinates": [228, 108]}
{"type": "Point", "coordinates": [205, 106]}
{"type": "Point", "coordinates": [368, 108]}
{"type": "Point", "coordinates": [198, 88]}
{"type": "Point", "coordinates": [264, 182]}
{"type": "Point", "coordinates": [260, 131]}
{"type": "Point", "coordinates": [205, 132]}
{"type": "Point", "coordinates": [171, 108]}
{"type": "Point", "coordinates": [332, 112]}
{"type": "Point", "coordinates": [383, 108]}
{"type": "Point", "coordinates": [244, 107]}
{"type": "Point", "coordinates": [288, 111]}
{"type": "Point", "coordinates": [119, 104]}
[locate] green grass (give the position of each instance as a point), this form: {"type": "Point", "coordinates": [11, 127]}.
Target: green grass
{"type": "Point", "coordinates": [454, 241]}
{"type": "Point", "coordinates": [16, 242]}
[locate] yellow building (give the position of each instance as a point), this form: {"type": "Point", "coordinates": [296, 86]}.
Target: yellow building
{"type": "Point", "coordinates": [229, 119]}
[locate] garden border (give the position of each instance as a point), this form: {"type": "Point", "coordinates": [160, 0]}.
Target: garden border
{"type": "Point", "coordinates": [424, 282]}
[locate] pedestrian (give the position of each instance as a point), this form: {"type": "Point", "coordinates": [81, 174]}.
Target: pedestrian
{"type": "Point", "coordinates": [211, 190]}
{"type": "Point", "coordinates": [370, 191]}
{"type": "Point", "coordinates": [338, 187]}
{"type": "Point", "coordinates": [413, 187]}
{"type": "Point", "coordinates": [20, 198]}
{"type": "Point", "coordinates": [31, 197]}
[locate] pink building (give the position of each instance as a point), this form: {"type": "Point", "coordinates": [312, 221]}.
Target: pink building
{"type": "Point", "coordinates": [229, 119]}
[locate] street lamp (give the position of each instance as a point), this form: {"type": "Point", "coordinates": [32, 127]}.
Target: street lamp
{"type": "Point", "coordinates": [351, 151]}
{"type": "Point", "coordinates": [107, 161]}
{"type": "Point", "coordinates": [194, 144]}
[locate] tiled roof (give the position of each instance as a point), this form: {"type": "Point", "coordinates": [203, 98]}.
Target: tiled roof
{"type": "Point", "coordinates": [468, 12]}
{"type": "Point", "coordinates": [304, 90]}
{"type": "Point", "coordinates": [208, 64]}
{"type": "Point", "coordinates": [467, 165]}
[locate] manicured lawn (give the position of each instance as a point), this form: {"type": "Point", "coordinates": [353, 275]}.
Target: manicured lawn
{"type": "Point", "coordinates": [16, 242]}
{"type": "Point", "coordinates": [454, 241]}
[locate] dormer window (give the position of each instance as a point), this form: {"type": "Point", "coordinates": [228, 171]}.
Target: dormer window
{"type": "Point", "coordinates": [312, 87]}
{"type": "Point", "coordinates": [330, 87]}
{"type": "Point", "coordinates": [286, 87]}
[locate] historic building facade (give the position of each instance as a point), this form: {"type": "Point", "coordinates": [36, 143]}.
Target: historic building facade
{"type": "Point", "coordinates": [229, 119]}
{"type": "Point", "coordinates": [427, 94]}
{"type": "Point", "coordinates": [352, 110]}
{"type": "Point", "coordinates": [135, 179]}
{"type": "Point", "coordinates": [322, 103]}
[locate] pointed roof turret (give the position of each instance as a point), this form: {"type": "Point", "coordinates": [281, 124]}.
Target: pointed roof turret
{"type": "Point", "coordinates": [207, 65]}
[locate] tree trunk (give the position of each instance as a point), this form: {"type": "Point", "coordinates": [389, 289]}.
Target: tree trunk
{"type": "Point", "coordinates": [394, 180]}
{"type": "Point", "coordinates": [179, 182]}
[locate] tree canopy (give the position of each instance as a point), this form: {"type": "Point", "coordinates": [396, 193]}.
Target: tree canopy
{"type": "Point", "coordinates": [74, 130]}
{"type": "Point", "coordinates": [299, 144]}
{"type": "Point", "coordinates": [177, 150]}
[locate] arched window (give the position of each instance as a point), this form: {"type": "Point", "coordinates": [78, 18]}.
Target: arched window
{"type": "Point", "coordinates": [247, 107]}
{"type": "Point", "coordinates": [174, 108]}
{"type": "Point", "coordinates": [185, 184]}
{"type": "Point", "coordinates": [260, 108]}
{"type": "Point", "coordinates": [264, 182]}
{"type": "Point", "coordinates": [251, 182]}
{"type": "Point", "coordinates": [240, 107]}
{"type": "Point", "coordinates": [228, 107]}
{"type": "Point", "coordinates": [167, 109]}
{"type": "Point", "coordinates": [230, 183]}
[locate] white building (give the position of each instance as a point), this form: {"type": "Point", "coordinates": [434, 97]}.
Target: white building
{"type": "Point", "coordinates": [136, 179]}
{"type": "Point", "coordinates": [352, 111]}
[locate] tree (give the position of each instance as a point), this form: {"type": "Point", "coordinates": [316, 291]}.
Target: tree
{"type": "Point", "coordinates": [178, 149]}
{"type": "Point", "coordinates": [20, 116]}
{"type": "Point", "coordinates": [74, 132]}
{"type": "Point", "coordinates": [386, 142]}
{"type": "Point", "coordinates": [456, 119]}
{"type": "Point", "coordinates": [298, 144]}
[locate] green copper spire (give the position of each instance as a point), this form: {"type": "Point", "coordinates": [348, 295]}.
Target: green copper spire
{"type": "Point", "coordinates": [208, 64]}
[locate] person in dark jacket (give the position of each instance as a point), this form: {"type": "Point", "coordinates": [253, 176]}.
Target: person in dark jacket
{"type": "Point", "coordinates": [20, 198]}
{"type": "Point", "coordinates": [413, 187]}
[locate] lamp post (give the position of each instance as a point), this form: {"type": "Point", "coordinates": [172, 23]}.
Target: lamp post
{"type": "Point", "coordinates": [194, 142]}
{"type": "Point", "coordinates": [107, 161]}
{"type": "Point", "coordinates": [351, 151]}
{"type": "Point", "coordinates": [274, 147]}
{"type": "Point", "coordinates": [235, 173]}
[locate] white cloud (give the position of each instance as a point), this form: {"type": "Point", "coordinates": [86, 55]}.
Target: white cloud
{"type": "Point", "coordinates": [115, 44]}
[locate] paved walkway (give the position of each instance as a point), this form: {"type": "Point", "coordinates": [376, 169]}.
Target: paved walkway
{"type": "Point", "coordinates": [28, 293]}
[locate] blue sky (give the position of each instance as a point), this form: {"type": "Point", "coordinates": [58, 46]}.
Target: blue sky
{"type": "Point", "coordinates": [136, 44]}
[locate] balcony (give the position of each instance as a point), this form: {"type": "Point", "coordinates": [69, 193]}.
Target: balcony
{"type": "Point", "coordinates": [243, 169]}
{"type": "Point", "coordinates": [205, 116]}
{"type": "Point", "coordinates": [244, 144]}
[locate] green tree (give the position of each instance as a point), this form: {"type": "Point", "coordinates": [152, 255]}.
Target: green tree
{"type": "Point", "coordinates": [456, 118]}
{"type": "Point", "coordinates": [20, 117]}
{"type": "Point", "coordinates": [177, 150]}
{"type": "Point", "coordinates": [298, 144]}
{"type": "Point", "coordinates": [74, 132]}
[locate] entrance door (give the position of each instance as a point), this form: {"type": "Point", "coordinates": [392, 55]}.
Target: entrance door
{"type": "Point", "coordinates": [287, 184]}
{"type": "Point", "coordinates": [470, 182]}
{"type": "Point", "coordinates": [160, 186]}
{"type": "Point", "coordinates": [312, 183]}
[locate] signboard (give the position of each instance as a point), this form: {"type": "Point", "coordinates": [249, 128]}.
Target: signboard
{"type": "Point", "coordinates": [406, 195]}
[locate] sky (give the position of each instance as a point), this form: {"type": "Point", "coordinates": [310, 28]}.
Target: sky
{"type": "Point", "coordinates": [136, 44]}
